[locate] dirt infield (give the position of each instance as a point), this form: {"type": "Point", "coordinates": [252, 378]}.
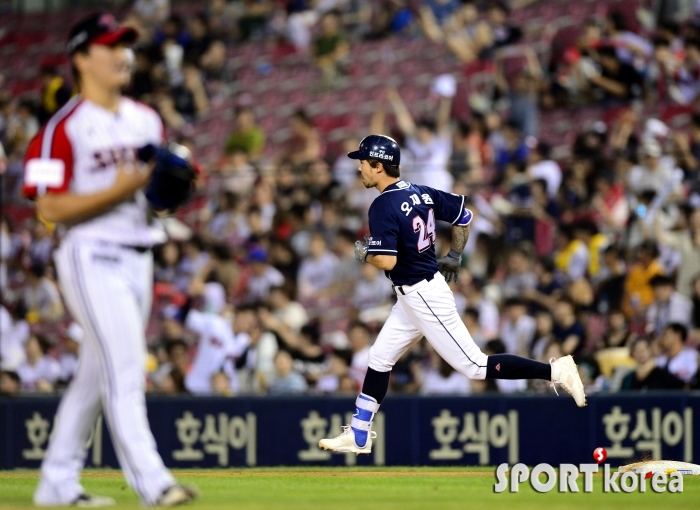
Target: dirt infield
{"type": "Point", "coordinates": [226, 474]}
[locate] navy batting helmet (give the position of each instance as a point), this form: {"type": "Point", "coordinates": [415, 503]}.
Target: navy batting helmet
{"type": "Point", "coordinates": [379, 147]}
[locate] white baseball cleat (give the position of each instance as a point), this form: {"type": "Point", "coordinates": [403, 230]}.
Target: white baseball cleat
{"type": "Point", "coordinates": [565, 372]}
{"type": "Point", "coordinates": [177, 495]}
{"type": "Point", "coordinates": [83, 501]}
{"type": "Point", "coordinates": [345, 442]}
{"type": "Point", "coordinates": [92, 501]}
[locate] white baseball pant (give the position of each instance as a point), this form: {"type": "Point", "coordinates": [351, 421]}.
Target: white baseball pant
{"type": "Point", "coordinates": [427, 309]}
{"type": "Point", "coordinates": [108, 289]}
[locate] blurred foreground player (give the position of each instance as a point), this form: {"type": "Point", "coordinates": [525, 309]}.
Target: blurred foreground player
{"type": "Point", "coordinates": [82, 171]}
{"type": "Point", "coordinates": [402, 223]}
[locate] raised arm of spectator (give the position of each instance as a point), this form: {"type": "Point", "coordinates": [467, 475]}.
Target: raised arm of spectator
{"type": "Point", "coordinates": [499, 76]}
{"type": "Point", "coordinates": [403, 116]}
{"type": "Point", "coordinates": [193, 81]}
{"type": "Point", "coordinates": [378, 123]}
{"type": "Point", "coordinates": [684, 156]}
{"type": "Point", "coordinates": [570, 344]}
{"type": "Point", "coordinates": [609, 85]}
{"type": "Point", "coordinates": [533, 63]}
{"type": "Point", "coordinates": [461, 46]}
{"type": "Point", "coordinates": [669, 239]}
{"type": "Point", "coordinates": [429, 25]}
{"type": "Point", "coordinates": [444, 114]}
{"type": "Point", "coordinates": [279, 328]}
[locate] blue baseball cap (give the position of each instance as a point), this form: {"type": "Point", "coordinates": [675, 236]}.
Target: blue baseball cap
{"type": "Point", "coordinates": [257, 254]}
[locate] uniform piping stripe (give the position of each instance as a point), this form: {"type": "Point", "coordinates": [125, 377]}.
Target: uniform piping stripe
{"type": "Point", "coordinates": [111, 379]}
{"type": "Point", "coordinates": [390, 190]}
{"type": "Point", "coordinates": [461, 210]}
{"type": "Point", "coordinates": [448, 332]}
{"type": "Point", "coordinates": [47, 138]}
{"type": "Point", "coordinates": [374, 249]}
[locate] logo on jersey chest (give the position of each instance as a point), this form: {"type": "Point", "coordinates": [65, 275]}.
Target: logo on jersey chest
{"type": "Point", "coordinates": [106, 158]}
{"type": "Point", "coordinates": [380, 155]}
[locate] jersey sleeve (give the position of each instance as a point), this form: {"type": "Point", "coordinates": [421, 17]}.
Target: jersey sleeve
{"type": "Point", "coordinates": [449, 207]}
{"type": "Point", "coordinates": [48, 163]}
{"type": "Point", "coordinates": [196, 321]}
{"type": "Point", "coordinates": [384, 230]}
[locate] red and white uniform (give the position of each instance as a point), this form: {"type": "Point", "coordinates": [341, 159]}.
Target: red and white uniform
{"type": "Point", "coordinates": [78, 151]}
{"type": "Point", "coordinates": [108, 285]}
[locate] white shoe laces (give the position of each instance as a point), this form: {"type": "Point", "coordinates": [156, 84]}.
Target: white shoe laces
{"type": "Point", "coordinates": [347, 429]}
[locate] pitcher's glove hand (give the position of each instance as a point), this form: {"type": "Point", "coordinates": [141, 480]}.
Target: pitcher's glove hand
{"type": "Point", "coordinates": [449, 265]}
{"type": "Point", "coordinates": [172, 180]}
{"type": "Point", "coordinates": [361, 250]}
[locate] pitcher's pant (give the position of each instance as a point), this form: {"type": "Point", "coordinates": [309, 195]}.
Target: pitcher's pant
{"type": "Point", "coordinates": [108, 289]}
{"type": "Point", "coordinates": [428, 309]}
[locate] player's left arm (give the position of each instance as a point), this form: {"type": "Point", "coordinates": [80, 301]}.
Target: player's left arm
{"type": "Point", "coordinates": [450, 207]}
{"type": "Point", "coordinates": [460, 236]}
{"type": "Point", "coordinates": [450, 263]}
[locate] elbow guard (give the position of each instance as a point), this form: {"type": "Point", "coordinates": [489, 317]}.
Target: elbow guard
{"type": "Point", "coordinates": [466, 218]}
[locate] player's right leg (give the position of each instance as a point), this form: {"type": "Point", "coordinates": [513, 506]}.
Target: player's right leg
{"type": "Point", "coordinates": [60, 471]}
{"type": "Point", "coordinates": [394, 339]}
{"type": "Point", "coordinates": [102, 279]}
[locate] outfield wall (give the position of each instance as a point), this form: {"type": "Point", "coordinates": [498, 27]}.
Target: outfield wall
{"type": "Point", "coordinates": [251, 431]}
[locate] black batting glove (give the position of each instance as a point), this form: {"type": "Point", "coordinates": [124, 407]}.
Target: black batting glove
{"type": "Point", "coordinates": [449, 265]}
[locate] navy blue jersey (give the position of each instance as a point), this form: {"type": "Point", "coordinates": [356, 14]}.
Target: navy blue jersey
{"type": "Point", "coordinates": [402, 223]}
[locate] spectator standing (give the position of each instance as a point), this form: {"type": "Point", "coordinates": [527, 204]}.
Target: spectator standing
{"type": "Point", "coordinates": [287, 381]}
{"type": "Point", "coordinates": [638, 291]}
{"type": "Point", "coordinates": [441, 379]}
{"type": "Point", "coordinates": [520, 278]}
{"type": "Point", "coordinates": [247, 137]}
{"type": "Point", "coordinates": [261, 276]}
{"type": "Point", "coordinates": [429, 141]}
{"type": "Point", "coordinates": [669, 306]}
{"type": "Point", "coordinates": [68, 360]}
{"type": "Point", "coordinates": [568, 331]}
{"type": "Point", "coordinates": [331, 49]}
{"type": "Point", "coordinates": [317, 271]}
{"type": "Point", "coordinates": [687, 242]}
{"type": "Point", "coordinates": [41, 297]}
{"type": "Point", "coordinates": [40, 372]}
{"type": "Point", "coordinates": [677, 358]}
{"type": "Point", "coordinates": [54, 92]}
{"type": "Point", "coordinates": [518, 328]}
{"type": "Point", "coordinates": [358, 335]}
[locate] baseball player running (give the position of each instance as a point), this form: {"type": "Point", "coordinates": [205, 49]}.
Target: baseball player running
{"type": "Point", "coordinates": [402, 225]}
{"type": "Point", "coordinates": [82, 171]}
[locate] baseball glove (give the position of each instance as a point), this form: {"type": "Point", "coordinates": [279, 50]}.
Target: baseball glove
{"type": "Point", "coordinates": [173, 176]}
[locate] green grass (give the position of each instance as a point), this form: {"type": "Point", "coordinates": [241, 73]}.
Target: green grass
{"type": "Point", "coordinates": [357, 489]}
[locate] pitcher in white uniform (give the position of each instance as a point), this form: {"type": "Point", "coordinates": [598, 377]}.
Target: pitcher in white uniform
{"type": "Point", "coordinates": [82, 171]}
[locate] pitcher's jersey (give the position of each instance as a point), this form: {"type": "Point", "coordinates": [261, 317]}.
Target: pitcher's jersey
{"type": "Point", "coordinates": [79, 150]}
{"type": "Point", "coordinates": [402, 223]}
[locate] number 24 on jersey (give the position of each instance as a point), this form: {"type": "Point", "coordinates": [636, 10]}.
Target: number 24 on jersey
{"type": "Point", "coordinates": [425, 230]}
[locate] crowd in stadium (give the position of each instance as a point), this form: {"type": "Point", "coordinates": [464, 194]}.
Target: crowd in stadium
{"type": "Point", "coordinates": [593, 251]}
